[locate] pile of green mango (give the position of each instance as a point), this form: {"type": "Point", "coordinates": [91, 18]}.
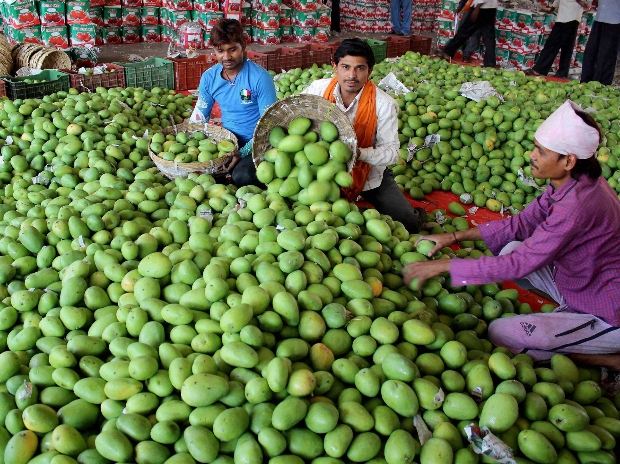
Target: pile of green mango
{"type": "Point", "coordinates": [483, 153]}
{"type": "Point", "coordinates": [300, 167]}
{"type": "Point", "coordinates": [154, 321]}
{"type": "Point", "coordinates": [189, 148]}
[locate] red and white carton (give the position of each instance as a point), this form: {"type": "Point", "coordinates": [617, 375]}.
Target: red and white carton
{"type": "Point", "coordinates": [130, 34]}
{"type": "Point", "coordinates": [156, 3]}
{"type": "Point", "coordinates": [268, 5]}
{"type": "Point", "coordinates": [149, 15]}
{"type": "Point", "coordinates": [503, 38]}
{"type": "Point", "coordinates": [137, 3]}
{"type": "Point", "coordinates": [181, 5]}
{"type": "Point", "coordinates": [77, 12]}
{"type": "Point", "coordinates": [97, 3]}
{"type": "Point", "coordinates": [502, 56]}
{"type": "Point", "coordinates": [52, 13]}
{"type": "Point", "coordinates": [247, 35]}
{"type": "Point", "coordinates": [303, 34]}
{"type": "Point", "coordinates": [305, 18]}
{"type": "Point", "coordinates": [55, 36]}
{"type": "Point", "coordinates": [324, 18]}
{"type": "Point", "coordinates": [232, 15]}
{"type": "Point", "coordinates": [307, 5]}
{"type": "Point", "coordinates": [179, 17]}
{"type": "Point", "coordinates": [286, 16]}
{"type": "Point", "coordinates": [112, 16]}
{"type": "Point", "coordinates": [131, 16]}
{"type": "Point", "coordinates": [382, 12]}
{"type": "Point", "coordinates": [81, 35]}
{"type": "Point", "coordinates": [246, 13]}
{"type": "Point", "coordinates": [96, 16]}
{"type": "Point", "coordinates": [321, 34]}
{"type": "Point", "coordinates": [286, 33]}
{"type": "Point", "coordinates": [112, 3]}
{"type": "Point", "coordinates": [232, 6]}
{"type": "Point", "coordinates": [22, 14]}
{"type": "Point", "coordinates": [112, 35]}
{"type": "Point", "coordinates": [267, 19]}
{"type": "Point", "coordinates": [266, 36]}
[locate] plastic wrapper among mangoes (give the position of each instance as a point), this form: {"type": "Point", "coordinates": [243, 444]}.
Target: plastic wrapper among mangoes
{"type": "Point", "coordinates": [484, 442]}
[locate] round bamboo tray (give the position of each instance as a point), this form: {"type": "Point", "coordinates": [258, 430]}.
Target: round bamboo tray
{"type": "Point", "coordinates": [172, 169]}
{"type": "Point", "coordinates": [313, 107]}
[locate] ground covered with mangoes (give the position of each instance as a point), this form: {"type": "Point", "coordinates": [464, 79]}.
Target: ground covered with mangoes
{"type": "Point", "coordinates": [154, 321]}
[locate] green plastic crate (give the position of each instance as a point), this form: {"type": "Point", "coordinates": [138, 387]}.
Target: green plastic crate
{"type": "Point", "coordinates": [379, 48]}
{"type": "Point", "coordinates": [17, 87]}
{"type": "Point", "coordinates": [154, 72]}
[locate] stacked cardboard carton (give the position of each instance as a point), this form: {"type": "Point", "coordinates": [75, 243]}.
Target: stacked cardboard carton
{"type": "Point", "coordinates": [276, 21]}
{"type": "Point", "coordinates": [366, 16]}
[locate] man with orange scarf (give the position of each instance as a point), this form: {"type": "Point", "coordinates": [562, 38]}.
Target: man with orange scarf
{"type": "Point", "coordinates": [374, 115]}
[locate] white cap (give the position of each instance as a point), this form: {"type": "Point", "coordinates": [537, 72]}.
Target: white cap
{"type": "Point", "coordinates": [566, 133]}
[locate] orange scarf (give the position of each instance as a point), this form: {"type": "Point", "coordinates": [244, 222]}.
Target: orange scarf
{"type": "Point", "coordinates": [365, 126]}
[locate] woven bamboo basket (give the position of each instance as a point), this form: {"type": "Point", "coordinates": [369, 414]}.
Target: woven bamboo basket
{"type": "Point", "coordinates": [313, 107]}
{"type": "Point", "coordinates": [173, 169]}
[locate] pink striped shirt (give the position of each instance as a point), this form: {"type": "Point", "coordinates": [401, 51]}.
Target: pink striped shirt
{"type": "Point", "coordinates": [576, 230]}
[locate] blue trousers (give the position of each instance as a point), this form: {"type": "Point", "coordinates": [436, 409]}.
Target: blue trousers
{"type": "Point", "coordinates": [396, 6]}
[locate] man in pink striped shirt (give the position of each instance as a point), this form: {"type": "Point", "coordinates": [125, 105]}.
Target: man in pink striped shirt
{"type": "Point", "coordinates": [564, 243]}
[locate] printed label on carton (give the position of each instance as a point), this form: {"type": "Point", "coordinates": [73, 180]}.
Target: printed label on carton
{"type": "Point", "coordinates": [131, 16]}
{"type": "Point", "coordinates": [52, 13]}
{"type": "Point", "coordinates": [55, 36]}
{"type": "Point", "coordinates": [82, 34]}
{"type": "Point", "coordinates": [77, 12]}
{"type": "Point", "coordinates": [112, 35]}
{"type": "Point", "coordinates": [150, 33]}
{"type": "Point", "coordinates": [130, 34]}
{"type": "Point", "coordinates": [112, 16]}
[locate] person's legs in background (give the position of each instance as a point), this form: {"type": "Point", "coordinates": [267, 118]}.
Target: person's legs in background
{"type": "Point", "coordinates": [591, 53]}
{"type": "Point", "coordinates": [486, 19]}
{"type": "Point", "coordinates": [395, 15]}
{"type": "Point", "coordinates": [555, 41]}
{"type": "Point", "coordinates": [335, 16]}
{"type": "Point", "coordinates": [607, 54]}
{"type": "Point", "coordinates": [464, 32]}
{"type": "Point", "coordinates": [471, 45]}
{"type": "Point", "coordinates": [390, 200]}
{"type": "Point", "coordinates": [406, 26]}
{"type": "Point", "coordinates": [570, 34]}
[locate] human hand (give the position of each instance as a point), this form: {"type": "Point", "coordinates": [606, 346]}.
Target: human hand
{"type": "Point", "coordinates": [440, 240]}
{"type": "Point", "coordinates": [422, 271]}
{"type": "Point", "coordinates": [228, 168]}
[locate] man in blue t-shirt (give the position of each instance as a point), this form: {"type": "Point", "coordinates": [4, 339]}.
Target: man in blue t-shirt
{"type": "Point", "coordinates": [243, 89]}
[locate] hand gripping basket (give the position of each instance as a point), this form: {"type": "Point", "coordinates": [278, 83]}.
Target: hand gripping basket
{"type": "Point", "coordinates": [313, 107]}
{"type": "Point", "coordinates": [172, 169]}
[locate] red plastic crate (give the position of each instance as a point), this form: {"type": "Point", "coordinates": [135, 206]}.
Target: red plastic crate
{"type": "Point", "coordinates": [397, 46]}
{"type": "Point", "coordinates": [315, 53]}
{"type": "Point", "coordinates": [91, 82]}
{"type": "Point", "coordinates": [188, 71]}
{"type": "Point", "coordinates": [284, 58]}
{"type": "Point", "coordinates": [420, 44]}
{"type": "Point", "coordinates": [260, 58]}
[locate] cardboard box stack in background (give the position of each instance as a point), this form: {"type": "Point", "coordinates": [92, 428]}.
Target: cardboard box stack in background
{"type": "Point", "coordinates": [424, 14]}
{"type": "Point", "coordinates": [277, 21]}
{"type": "Point", "coordinates": [519, 35]}
{"type": "Point", "coordinates": [366, 16]}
